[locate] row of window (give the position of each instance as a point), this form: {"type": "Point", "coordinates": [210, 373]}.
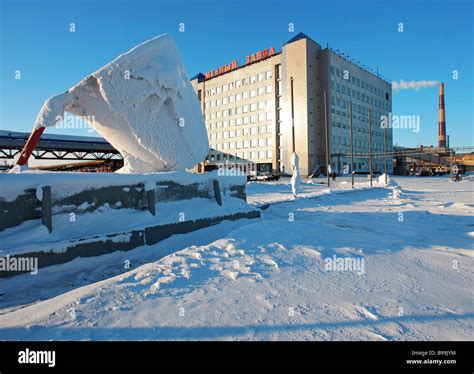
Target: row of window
{"type": "Point", "coordinates": [359, 96]}
{"type": "Point", "coordinates": [251, 143]}
{"type": "Point", "coordinates": [360, 166]}
{"type": "Point", "coordinates": [264, 129]}
{"type": "Point", "coordinates": [239, 96]}
{"type": "Point", "coordinates": [239, 83]}
{"type": "Point", "coordinates": [375, 119]}
{"type": "Point", "coordinates": [339, 141]}
{"type": "Point", "coordinates": [266, 116]}
{"type": "Point", "coordinates": [339, 128]}
{"type": "Point", "coordinates": [254, 155]}
{"type": "Point", "coordinates": [344, 74]}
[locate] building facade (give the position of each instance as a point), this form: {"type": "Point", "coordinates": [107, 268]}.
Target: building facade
{"type": "Point", "coordinates": [259, 113]}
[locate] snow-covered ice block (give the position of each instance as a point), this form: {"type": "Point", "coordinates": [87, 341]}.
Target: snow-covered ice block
{"type": "Point", "coordinates": [143, 104]}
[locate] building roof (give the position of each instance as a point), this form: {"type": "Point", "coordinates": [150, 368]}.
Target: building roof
{"type": "Point", "coordinates": [199, 76]}
{"type": "Point", "coordinates": [300, 36]}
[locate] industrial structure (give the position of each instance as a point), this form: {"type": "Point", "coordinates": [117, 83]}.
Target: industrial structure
{"type": "Point", "coordinates": [78, 153]}
{"type": "Point", "coordinates": [272, 105]}
{"type": "Point", "coordinates": [442, 119]}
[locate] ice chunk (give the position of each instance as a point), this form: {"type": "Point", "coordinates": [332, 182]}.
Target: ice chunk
{"type": "Point", "coordinates": [295, 178]}
{"type": "Point", "coordinates": [143, 104]}
{"type": "Point", "coordinates": [39, 192]}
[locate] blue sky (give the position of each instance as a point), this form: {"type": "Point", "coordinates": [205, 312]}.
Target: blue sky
{"type": "Point", "coordinates": [437, 39]}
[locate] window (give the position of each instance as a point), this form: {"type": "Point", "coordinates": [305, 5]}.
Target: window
{"type": "Point", "coordinates": [246, 95]}
{"type": "Point", "coordinates": [253, 107]}
{"type": "Point", "coordinates": [261, 142]}
{"type": "Point", "coordinates": [253, 143]}
{"type": "Point", "coordinates": [268, 74]}
{"type": "Point", "coordinates": [253, 93]}
{"type": "Point", "coordinates": [268, 89]}
{"type": "Point", "coordinates": [261, 91]}
{"type": "Point", "coordinates": [260, 77]}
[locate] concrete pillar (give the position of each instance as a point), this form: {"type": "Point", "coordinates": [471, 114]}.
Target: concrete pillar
{"type": "Point", "coordinates": [151, 201]}
{"type": "Point", "coordinates": [46, 208]}
{"type": "Point", "coordinates": [217, 191]}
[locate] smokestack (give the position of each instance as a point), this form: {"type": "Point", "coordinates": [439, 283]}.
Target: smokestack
{"type": "Point", "coordinates": [441, 119]}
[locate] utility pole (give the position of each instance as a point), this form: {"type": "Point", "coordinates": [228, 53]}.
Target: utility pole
{"type": "Point", "coordinates": [352, 148]}
{"type": "Point", "coordinates": [370, 149]}
{"type": "Point", "coordinates": [385, 153]}
{"type": "Point", "coordinates": [292, 116]}
{"type": "Point", "coordinates": [450, 162]}
{"type": "Point", "coordinates": [327, 135]}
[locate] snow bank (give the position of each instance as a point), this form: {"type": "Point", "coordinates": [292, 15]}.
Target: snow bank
{"type": "Point", "coordinates": [143, 104]}
{"type": "Point", "coordinates": [381, 179]}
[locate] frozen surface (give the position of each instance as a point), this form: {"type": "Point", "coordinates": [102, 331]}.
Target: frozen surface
{"type": "Point", "coordinates": [265, 279]}
{"type": "Point", "coordinates": [143, 104]}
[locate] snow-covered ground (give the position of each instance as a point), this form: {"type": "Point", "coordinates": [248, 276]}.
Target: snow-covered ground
{"type": "Point", "coordinates": [269, 278]}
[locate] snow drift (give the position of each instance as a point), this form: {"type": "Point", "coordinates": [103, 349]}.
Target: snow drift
{"type": "Point", "coordinates": [143, 104]}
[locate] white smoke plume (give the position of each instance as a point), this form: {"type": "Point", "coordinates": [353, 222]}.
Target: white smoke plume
{"type": "Point", "coordinates": [412, 85]}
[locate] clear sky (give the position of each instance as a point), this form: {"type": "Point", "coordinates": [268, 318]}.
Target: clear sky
{"type": "Point", "coordinates": [437, 39]}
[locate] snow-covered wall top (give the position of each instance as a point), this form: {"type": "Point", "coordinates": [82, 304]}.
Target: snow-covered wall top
{"type": "Point", "coordinates": [143, 104]}
{"type": "Point", "coordinates": [66, 184]}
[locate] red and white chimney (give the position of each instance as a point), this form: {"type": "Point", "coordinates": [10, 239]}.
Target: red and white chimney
{"type": "Point", "coordinates": [441, 119]}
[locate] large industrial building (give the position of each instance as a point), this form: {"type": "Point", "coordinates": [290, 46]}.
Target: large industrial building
{"type": "Point", "coordinates": [258, 112]}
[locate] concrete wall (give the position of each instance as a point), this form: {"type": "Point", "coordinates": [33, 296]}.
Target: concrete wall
{"type": "Point", "coordinates": [27, 207]}
{"type": "Point", "coordinates": [89, 247]}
